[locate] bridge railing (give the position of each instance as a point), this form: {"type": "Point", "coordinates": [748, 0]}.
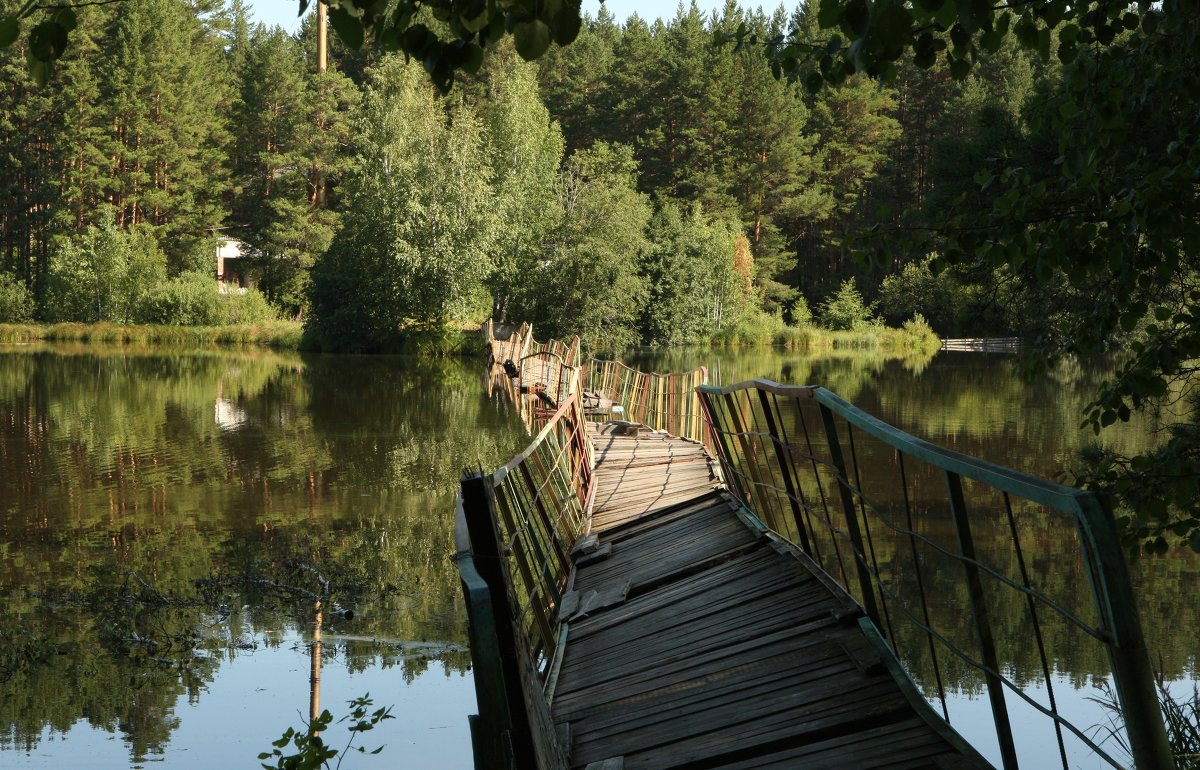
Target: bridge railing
{"type": "Point", "coordinates": [970, 570]}
{"type": "Point", "coordinates": [517, 528]}
{"type": "Point", "coordinates": [667, 402]}
{"type": "Point", "coordinates": [548, 373]}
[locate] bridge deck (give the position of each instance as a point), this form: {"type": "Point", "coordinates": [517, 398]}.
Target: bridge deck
{"type": "Point", "coordinates": [717, 644]}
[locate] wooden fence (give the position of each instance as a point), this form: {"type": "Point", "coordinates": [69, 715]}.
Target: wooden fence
{"type": "Point", "coordinates": [666, 402]}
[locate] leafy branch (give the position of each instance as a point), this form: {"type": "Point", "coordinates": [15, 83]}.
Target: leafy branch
{"type": "Point", "coordinates": [312, 752]}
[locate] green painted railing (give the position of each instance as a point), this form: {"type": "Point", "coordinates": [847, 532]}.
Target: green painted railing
{"type": "Point", "coordinates": [891, 516]}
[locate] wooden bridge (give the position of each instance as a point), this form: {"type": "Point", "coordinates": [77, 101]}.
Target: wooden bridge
{"type": "Point", "coordinates": [733, 597]}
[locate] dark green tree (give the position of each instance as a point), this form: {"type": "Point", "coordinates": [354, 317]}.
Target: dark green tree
{"type": "Point", "coordinates": [167, 135]}
{"type": "Point", "coordinates": [288, 122]}
{"type": "Point", "coordinates": [1109, 217]}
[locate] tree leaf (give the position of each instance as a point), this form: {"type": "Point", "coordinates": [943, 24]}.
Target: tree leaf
{"type": "Point", "coordinates": [10, 30]}
{"type": "Point", "coordinates": [830, 13]}
{"type": "Point", "coordinates": [348, 27]}
{"type": "Point", "coordinates": [47, 41]}
{"type": "Point", "coordinates": [566, 24]}
{"type": "Point", "coordinates": [65, 18]}
{"type": "Point", "coordinates": [532, 38]}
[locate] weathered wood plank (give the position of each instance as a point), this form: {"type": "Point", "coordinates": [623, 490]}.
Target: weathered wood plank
{"type": "Point", "coordinates": [720, 648]}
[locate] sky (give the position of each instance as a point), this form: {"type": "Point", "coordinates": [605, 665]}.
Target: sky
{"type": "Point", "coordinates": [283, 12]}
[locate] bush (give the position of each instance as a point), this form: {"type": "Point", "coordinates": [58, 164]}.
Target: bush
{"type": "Point", "coordinates": [249, 308]}
{"type": "Point", "coordinates": [847, 310]}
{"type": "Point", "coordinates": [801, 314]}
{"type": "Point", "coordinates": [915, 289]}
{"type": "Point", "coordinates": [190, 299]}
{"type": "Point", "coordinates": [16, 303]}
{"type": "Point", "coordinates": [102, 274]}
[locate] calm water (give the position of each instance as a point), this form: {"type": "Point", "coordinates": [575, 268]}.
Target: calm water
{"type": "Point", "coordinates": [167, 522]}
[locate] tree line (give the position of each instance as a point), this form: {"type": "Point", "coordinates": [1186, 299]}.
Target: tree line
{"type": "Point", "coordinates": [639, 185]}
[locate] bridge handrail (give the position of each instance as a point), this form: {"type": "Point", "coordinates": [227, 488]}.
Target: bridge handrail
{"type": "Point", "coordinates": [523, 521]}
{"type": "Point", "coordinates": [666, 402]}
{"type": "Point", "coordinates": [783, 479]}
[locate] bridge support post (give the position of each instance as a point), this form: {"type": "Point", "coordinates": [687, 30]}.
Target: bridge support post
{"type": "Point", "coordinates": [501, 734]}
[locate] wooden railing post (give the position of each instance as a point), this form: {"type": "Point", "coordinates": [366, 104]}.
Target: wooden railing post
{"type": "Point", "coordinates": [485, 549]}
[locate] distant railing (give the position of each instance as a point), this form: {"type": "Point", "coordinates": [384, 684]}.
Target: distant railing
{"type": "Point", "coordinates": [666, 402]}
{"type": "Point", "coordinates": [505, 342]}
{"type": "Point", "coordinates": [516, 528]}
{"type": "Point", "coordinates": [960, 563]}
{"type": "Point", "coordinates": [985, 345]}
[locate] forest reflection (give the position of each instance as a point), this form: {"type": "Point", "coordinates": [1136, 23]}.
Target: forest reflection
{"type": "Point", "coordinates": [163, 514]}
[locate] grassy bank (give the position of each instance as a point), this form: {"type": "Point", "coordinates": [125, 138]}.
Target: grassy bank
{"type": "Point", "coordinates": [280, 335]}
{"type": "Point", "coordinates": [914, 336]}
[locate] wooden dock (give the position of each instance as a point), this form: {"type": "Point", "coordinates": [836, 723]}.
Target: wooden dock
{"type": "Point", "coordinates": [641, 600]}
{"type": "Point", "coordinates": [717, 644]}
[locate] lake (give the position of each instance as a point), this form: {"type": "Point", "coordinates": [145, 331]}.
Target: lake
{"type": "Point", "coordinates": [178, 527]}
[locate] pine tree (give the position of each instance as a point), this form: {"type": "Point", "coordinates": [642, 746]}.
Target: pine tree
{"type": "Point", "coordinates": [575, 77]}
{"type": "Point", "coordinates": [168, 128]}
{"type": "Point", "coordinates": [856, 128]}
{"type": "Point", "coordinates": [285, 117]}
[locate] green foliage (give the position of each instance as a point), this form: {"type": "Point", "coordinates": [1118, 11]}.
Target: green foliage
{"type": "Point", "coordinates": [846, 309]}
{"type": "Point", "coordinates": [693, 287]}
{"type": "Point", "coordinates": [591, 286]}
{"type": "Point", "coordinates": [524, 149]}
{"type": "Point", "coordinates": [1089, 201]}
{"type": "Point", "coordinates": [285, 158]}
{"type": "Point", "coordinates": [312, 752]}
{"type": "Point", "coordinates": [103, 275]}
{"type": "Point", "coordinates": [16, 303]}
{"type": "Point", "coordinates": [190, 299]}
{"type": "Point", "coordinates": [419, 225]}
{"type": "Point", "coordinates": [1181, 716]}
{"type": "Point", "coordinates": [250, 308]}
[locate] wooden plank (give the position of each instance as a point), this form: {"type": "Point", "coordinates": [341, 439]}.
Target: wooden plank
{"type": "Point", "coordinates": [701, 640]}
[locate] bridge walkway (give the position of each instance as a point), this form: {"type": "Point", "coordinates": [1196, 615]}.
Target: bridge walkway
{"type": "Point", "coordinates": [696, 638]}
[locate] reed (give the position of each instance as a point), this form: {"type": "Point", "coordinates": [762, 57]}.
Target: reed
{"type": "Point", "coordinates": [281, 335]}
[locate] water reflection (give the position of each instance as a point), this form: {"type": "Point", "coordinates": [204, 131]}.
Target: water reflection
{"type": "Point", "coordinates": [166, 518]}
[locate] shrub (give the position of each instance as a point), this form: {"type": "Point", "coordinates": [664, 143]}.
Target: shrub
{"type": "Point", "coordinates": [16, 303]}
{"type": "Point", "coordinates": [846, 309]}
{"type": "Point", "coordinates": [801, 314]}
{"type": "Point", "coordinates": [249, 308]}
{"type": "Point", "coordinates": [101, 275]}
{"type": "Point", "coordinates": [190, 299]}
